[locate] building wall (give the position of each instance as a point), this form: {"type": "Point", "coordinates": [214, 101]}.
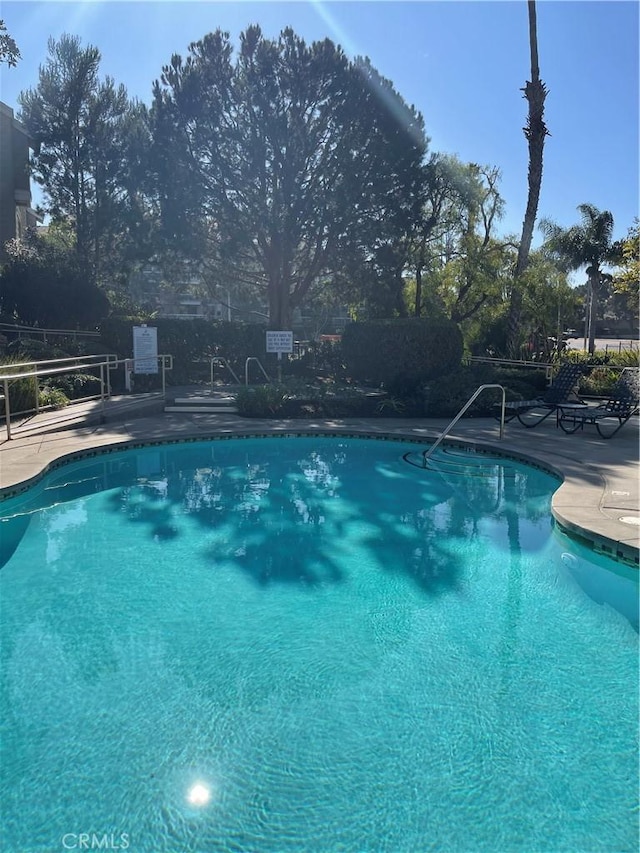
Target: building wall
{"type": "Point", "coordinates": [16, 214]}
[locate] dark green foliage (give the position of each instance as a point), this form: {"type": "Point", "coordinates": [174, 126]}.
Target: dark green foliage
{"type": "Point", "coordinates": [56, 346]}
{"type": "Point", "coordinates": [445, 396]}
{"type": "Point", "coordinates": [322, 358]}
{"type": "Point", "coordinates": [401, 353]}
{"type": "Point", "coordinates": [75, 386]}
{"type": "Point", "coordinates": [30, 349]}
{"type": "Point", "coordinates": [89, 141]}
{"type": "Point", "coordinates": [626, 358]}
{"type": "Point", "coordinates": [261, 401]}
{"type": "Point", "coordinates": [301, 157]}
{"type": "Point", "coordinates": [53, 398]}
{"type": "Point", "coordinates": [22, 392]}
{"type": "Point", "coordinates": [43, 285]}
{"type": "Point", "coordinates": [193, 341]}
{"type": "Point", "coordinates": [295, 400]}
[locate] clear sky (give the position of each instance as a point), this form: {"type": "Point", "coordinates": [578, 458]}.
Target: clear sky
{"type": "Point", "coordinates": [462, 64]}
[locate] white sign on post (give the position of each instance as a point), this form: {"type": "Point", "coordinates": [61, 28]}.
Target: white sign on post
{"type": "Point", "coordinates": [279, 342]}
{"type": "Point", "coordinates": [145, 349]}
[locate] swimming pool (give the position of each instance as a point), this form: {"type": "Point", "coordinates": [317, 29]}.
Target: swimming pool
{"type": "Point", "coordinates": [286, 644]}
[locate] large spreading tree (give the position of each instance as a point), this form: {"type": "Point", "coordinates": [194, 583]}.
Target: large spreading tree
{"type": "Point", "coordinates": [285, 161]}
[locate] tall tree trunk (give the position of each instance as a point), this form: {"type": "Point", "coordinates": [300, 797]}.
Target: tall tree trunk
{"type": "Point", "coordinates": [594, 281]}
{"type": "Point", "coordinates": [535, 92]}
{"type": "Point", "coordinates": [418, 303]}
{"type": "Point", "coordinates": [279, 304]}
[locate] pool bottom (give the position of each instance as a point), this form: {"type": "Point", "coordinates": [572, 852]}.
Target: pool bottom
{"type": "Point", "coordinates": [414, 674]}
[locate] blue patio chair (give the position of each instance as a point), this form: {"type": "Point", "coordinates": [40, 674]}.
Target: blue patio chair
{"type": "Point", "coordinates": [611, 416]}
{"type": "Point", "coordinates": [530, 413]}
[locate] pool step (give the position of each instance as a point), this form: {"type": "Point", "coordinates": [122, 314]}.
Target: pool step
{"type": "Point", "coordinates": [465, 463]}
{"type": "Point", "coordinates": [217, 404]}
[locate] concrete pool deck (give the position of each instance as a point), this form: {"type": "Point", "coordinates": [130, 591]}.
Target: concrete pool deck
{"type": "Point", "coordinates": [599, 499]}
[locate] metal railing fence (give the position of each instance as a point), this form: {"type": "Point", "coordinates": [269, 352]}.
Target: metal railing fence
{"type": "Point", "coordinates": [37, 370]}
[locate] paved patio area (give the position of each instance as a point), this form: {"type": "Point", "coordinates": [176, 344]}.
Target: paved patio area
{"type": "Point", "coordinates": [599, 498]}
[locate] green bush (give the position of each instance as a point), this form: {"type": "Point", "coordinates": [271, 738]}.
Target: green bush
{"type": "Point", "coordinates": [322, 358]}
{"type": "Point", "coordinates": [261, 401]}
{"type": "Point", "coordinates": [35, 349]}
{"type": "Point", "coordinates": [22, 392]}
{"type": "Point", "coordinates": [445, 396]}
{"type": "Point", "coordinates": [53, 397]}
{"type": "Point", "coordinates": [598, 382]}
{"type": "Point", "coordinates": [401, 353]}
{"type": "Point", "coordinates": [75, 385]}
{"type": "Point", "coordinates": [626, 358]}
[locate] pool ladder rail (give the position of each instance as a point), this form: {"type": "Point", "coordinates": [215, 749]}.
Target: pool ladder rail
{"type": "Point", "coordinates": [426, 455]}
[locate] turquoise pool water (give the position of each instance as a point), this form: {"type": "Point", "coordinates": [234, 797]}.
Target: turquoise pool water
{"type": "Point", "coordinates": [308, 644]}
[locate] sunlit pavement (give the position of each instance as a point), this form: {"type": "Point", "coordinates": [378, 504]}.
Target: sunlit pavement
{"type": "Point", "coordinates": [598, 499]}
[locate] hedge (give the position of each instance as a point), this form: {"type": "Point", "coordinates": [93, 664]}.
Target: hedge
{"type": "Point", "coordinates": [401, 352]}
{"type": "Point", "coordinates": [190, 341]}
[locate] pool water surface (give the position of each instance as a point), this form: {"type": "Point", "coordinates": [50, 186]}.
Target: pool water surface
{"type": "Point", "coordinates": [309, 644]}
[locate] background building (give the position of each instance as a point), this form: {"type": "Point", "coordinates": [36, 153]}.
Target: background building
{"type": "Point", "coordinates": [16, 213]}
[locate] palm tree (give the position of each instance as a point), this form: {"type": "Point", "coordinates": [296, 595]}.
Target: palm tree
{"type": "Point", "coordinates": [587, 244]}
{"type": "Point", "coordinates": [535, 131]}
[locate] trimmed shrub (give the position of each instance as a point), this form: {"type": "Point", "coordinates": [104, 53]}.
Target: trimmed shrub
{"type": "Point", "coordinates": [401, 353]}
{"type": "Point", "coordinates": [261, 401]}
{"type": "Point", "coordinates": [444, 397]}
{"type": "Point", "coordinates": [191, 341]}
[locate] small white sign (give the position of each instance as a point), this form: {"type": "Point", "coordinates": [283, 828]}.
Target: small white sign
{"type": "Point", "coordinates": [145, 349]}
{"type": "Point", "coordinates": [279, 342]}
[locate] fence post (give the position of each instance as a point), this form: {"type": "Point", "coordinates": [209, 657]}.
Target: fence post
{"type": "Point", "coordinates": [102, 417]}
{"type": "Point", "coordinates": [7, 408]}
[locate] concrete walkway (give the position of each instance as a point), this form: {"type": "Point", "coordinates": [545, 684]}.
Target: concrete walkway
{"type": "Point", "coordinates": [599, 498]}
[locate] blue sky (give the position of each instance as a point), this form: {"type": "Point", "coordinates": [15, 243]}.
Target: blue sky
{"type": "Point", "coordinates": [461, 63]}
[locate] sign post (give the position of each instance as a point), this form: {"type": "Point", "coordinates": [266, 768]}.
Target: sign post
{"type": "Point", "coordinates": [279, 342]}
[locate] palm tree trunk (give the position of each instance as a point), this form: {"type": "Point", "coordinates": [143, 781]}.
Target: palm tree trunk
{"type": "Point", "coordinates": [535, 92]}
{"type": "Point", "coordinates": [594, 280]}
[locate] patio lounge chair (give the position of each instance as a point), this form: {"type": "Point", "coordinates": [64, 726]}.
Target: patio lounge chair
{"type": "Point", "coordinates": [560, 391]}
{"type": "Point", "coordinates": [622, 404]}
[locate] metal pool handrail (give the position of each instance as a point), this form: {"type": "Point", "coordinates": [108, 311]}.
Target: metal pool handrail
{"type": "Point", "coordinates": [259, 363]}
{"type": "Point", "coordinates": [222, 362]}
{"type": "Point", "coordinates": [444, 433]}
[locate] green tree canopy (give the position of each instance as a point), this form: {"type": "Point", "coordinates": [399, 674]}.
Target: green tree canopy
{"type": "Point", "coordinates": [463, 263]}
{"type": "Point", "coordinates": [89, 138]}
{"type": "Point", "coordinates": [42, 284]}
{"type": "Point", "coordinates": [587, 244]}
{"type": "Point", "coordinates": [284, 161]}
{"type": "Point", "coordinates": [9, 53]}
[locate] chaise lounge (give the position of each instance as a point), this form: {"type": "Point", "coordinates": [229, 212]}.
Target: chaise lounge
{"type": "Point", "coordinates": [530, 413]}
{"type": "Point", "coordinates": [608, 417]}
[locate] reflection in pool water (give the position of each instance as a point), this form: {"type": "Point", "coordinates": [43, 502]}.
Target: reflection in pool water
{"type": "Point", "coordinates": [308, 644]}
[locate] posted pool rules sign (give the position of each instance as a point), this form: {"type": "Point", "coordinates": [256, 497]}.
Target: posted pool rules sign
{"type": "Point", "coordinates": [279, 342]}
{"type": "Point", "coordinates": [145, 349]}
